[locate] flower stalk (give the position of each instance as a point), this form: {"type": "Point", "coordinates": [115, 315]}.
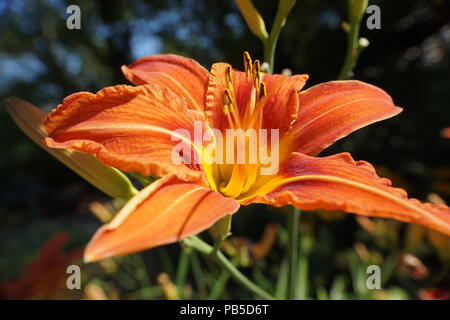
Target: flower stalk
{"type": "Point", "coordinates": [257, 26]}
{"type": "Point", "coordinates": [355, 44]}
{"type": "Point", "coordinates": [284, 8]}
{"type": "Point", "coordinates": [293, 221]}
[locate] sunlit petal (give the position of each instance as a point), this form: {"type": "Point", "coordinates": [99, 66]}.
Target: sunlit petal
{"type": "Point", "coordinates": [164, 212]}
{"type": "Point", "coordinates": [30, 119]}
{"type": "Point", "coordinates": [129, 128]}
{"type": "Point", "coordinates": [339, 183]}
{"type": "Point", "coordinates": [332, 110]}
{"type": "Point", "coordinates": [182, 75]}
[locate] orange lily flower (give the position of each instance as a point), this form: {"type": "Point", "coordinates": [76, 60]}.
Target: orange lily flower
{"type": "Point", "coordinates": [130, 128]}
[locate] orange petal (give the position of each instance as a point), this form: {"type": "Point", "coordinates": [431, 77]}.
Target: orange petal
{"type": "Point", "coordinates": [281, 102]}
{"type": "Point", "coordinates": [164, 212]}
{"type": "Point", "coordinates": [129, 128]}
{"type": "Point", "coordinates": [182, 75]}
{"type": "Point", "coordinates": [339, 183]}
{"type": "Point", "coordinates": [332, 110]}
{"type": "Point", "coordinates": [214, 107]}
{"type": "Point", "coordinates": [30, 119]}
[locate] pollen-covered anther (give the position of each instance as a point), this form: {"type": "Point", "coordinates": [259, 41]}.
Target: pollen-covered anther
{"type": "Point", "coordinates": [228, 99]}
{"type": "Point", "coordinates": [230, 109]}
{"type": "Point", "coordinates": [262, 91]}
{"type": "Point", "coordinates": [256, 73]}
{"type": "Point", "coordinates": [228, 78]}
{"type": "Point", "coordinates": [248, 65]}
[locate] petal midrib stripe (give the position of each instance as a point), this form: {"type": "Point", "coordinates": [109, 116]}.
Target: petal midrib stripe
{"type": "Point", "coordinates": [128, 127]}
{"type": "Point", "coordinates": [160, 216]}
{"type": "Point", "coordinates": [401, 201]}
{"type": "Point", "coordinates": [334, 109]}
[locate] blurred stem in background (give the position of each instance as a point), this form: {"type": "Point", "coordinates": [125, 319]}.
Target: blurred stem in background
{"type": "Point", "coordinates": [217, 256]}
{"type": "Point", "coordinates": [293, 221]}
{"type": "Point", "coordinates": [257, 26]}
{"type": "Point", "coordinates": [182, 270]}
{"type": "Point", "coordinates": [355, 44]}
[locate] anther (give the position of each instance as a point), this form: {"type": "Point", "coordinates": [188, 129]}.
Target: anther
{"type": "Point", "coordinates": [230, 102]}
{"type": "Point", "coordinates": [228, 107]}
{"type": "Point", "coordinates": [256, 73]}
{"type": "Point", "coordinates": [228, 77]}
{"type": "Point", "coordinates": [262, 90]}
{"type": "Point", "coordinates": [248, 67]}
{"type": "Point", "coordinates": [228, 97]}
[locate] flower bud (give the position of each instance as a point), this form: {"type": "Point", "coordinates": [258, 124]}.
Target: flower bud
{"type": "Point", "coordinates": [111, 181]}
{"type": "Point", "coordinates": [253, 19]}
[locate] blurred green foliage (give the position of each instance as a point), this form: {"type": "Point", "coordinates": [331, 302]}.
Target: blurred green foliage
{"type": "Point", "coordinates": [42, 61]}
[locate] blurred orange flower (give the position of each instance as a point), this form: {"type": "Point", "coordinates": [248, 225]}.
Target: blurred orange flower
{"type": "Point", "coordinates": [45, 276]}
{"type": "Point", "coordinates": [445, 132]}
{"type": "Point", "coordinates": [131, 129]}
{"type": "Point", "coordinates": [435, 294]}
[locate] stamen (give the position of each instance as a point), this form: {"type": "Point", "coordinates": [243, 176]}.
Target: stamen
{"type": "Point", "coordinates": [248, 64]}
{"type": "Point", "coordinates": [257, 73]}
{"type": "Point", "coordinates": [229, 99]}
{"type": "Point", "coordinates": [229, 78]}
{"type": "Point", "coordinates": [251, 102]}
{"type": "Point", "coordinates": [257, 115]}
{"type": "Point", "coordinates": [235, 179]}
{"type": "Point", "coordinates": [262, 90]}
{"type": "Point", "coordinates": [227, 103]}
{"type": "Point", "coordinates": [232, 108]}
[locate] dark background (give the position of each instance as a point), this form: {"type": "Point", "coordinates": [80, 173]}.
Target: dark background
{"type": "Point", "coordinates": [42, 61]}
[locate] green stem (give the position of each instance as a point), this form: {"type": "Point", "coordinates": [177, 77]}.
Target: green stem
{"type": "Point", "coordinates": [293, 220]}
{"type": "Point", "coordinates": [219, 285]}
{"type": "Point", "coordinates": [352, 52]}
{"type": "Point", "coordinates": [198, 275]}
{"type": "Point", "coordinates": [284, 7]}
{"type": "Point", "coordinates": [183, 266]}
{"type": "Point", "coordinates": [218, 257]}
{"type": "Point", "coordinates": [301, 291]}
{"type": "Point", "coordinates": [269, 54]}
{"type": "Point", "coordinates": [355, 45]}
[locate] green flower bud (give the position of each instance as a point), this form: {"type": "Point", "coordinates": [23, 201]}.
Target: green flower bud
{"type": "Point", "coordinates": [111, 181]}
{"type": "Point", "coordinates": [253, 19]}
